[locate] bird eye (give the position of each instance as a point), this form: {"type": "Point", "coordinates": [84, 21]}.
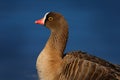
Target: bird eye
{"type": "Point", "coordinates": [50, 18]}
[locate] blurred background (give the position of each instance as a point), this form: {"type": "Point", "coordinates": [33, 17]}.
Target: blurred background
{"type": "Point", "coordinates": [94, 27]}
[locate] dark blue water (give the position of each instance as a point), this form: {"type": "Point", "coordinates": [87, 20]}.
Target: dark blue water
{"type": "Point", "coordinates": [94, 27]}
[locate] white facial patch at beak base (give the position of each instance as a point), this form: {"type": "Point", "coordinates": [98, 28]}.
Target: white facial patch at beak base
{"type": "Point", "coordinates": [45, 17]}
{"type": "Point", "coordinates": [42, 21]}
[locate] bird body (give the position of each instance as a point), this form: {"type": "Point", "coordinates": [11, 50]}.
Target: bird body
{"type": "Point", "coordinates": [53, 64]}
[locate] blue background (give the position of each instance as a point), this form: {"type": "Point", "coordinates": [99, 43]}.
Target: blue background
{"type": "Point", "coordinates": [94, 27]}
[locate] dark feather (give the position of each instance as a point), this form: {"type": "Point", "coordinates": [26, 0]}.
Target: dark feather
{"type": "Point", "coordinates": [79, 65]}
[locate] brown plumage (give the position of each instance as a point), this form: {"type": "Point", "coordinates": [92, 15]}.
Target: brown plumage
{"type": "Point", "coordinates": [53, 64]}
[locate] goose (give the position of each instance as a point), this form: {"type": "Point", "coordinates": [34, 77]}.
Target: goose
{"type": "Point", "coordinates": [53, 64]}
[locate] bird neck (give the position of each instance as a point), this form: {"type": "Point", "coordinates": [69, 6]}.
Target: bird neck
{"type": "Point", "coordinates": [57, 42]}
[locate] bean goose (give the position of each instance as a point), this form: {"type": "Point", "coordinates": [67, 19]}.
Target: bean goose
{"type": "Point", "coordinates": [53, 64]}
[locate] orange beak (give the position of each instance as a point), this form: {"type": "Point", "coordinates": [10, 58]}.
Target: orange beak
{"type": "Point", "coordinates": [40, 21]}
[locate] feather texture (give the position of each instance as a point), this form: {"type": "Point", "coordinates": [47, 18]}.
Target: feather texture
{"type": "Point", "coordinates": [81, 66]}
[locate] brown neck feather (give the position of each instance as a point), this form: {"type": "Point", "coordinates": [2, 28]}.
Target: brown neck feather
{"type": "Point", "coordinates": [57, 41]}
